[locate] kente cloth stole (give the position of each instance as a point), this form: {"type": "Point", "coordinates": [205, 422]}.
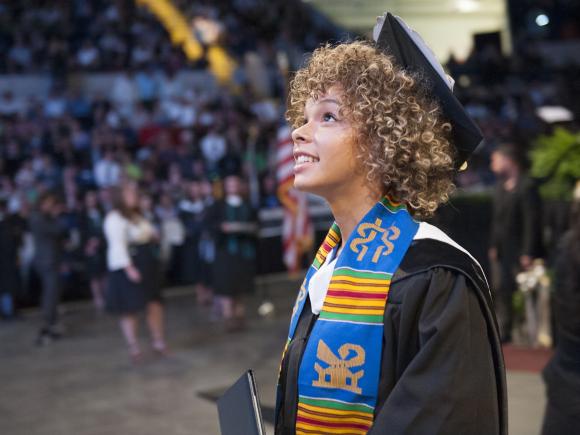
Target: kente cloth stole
{"type": "Point", "coordinates": [339, 373]}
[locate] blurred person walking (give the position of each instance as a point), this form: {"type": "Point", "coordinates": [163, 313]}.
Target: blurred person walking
{"type": "Point", "coordinates": [193, 214]}
{"type": "Point", "coordinates": [515, 229]}
{"type": "Point", "coordinates": [235, 227]}
{"type": "Point", "coordinates": [48, 232]}
{"type": "Point", "coordinates": [172, 235]}
{"type": "Point", "coordinates": [94, 245]}
{"type": "Point", "coordinates": [133, 278]}
{"type": "Point", "coordinates": [562, 374]}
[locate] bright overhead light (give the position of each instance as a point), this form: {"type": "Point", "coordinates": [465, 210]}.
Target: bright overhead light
{"type": "Point", "coordinates": [467, 6]}
{"type": "Point", "coordinates": [542, 20]}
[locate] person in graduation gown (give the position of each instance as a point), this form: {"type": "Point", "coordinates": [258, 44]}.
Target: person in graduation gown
{"type": "Point", "coordinates": [93, 241]}
{"type": "Point", "coordinates": [11, 235]}
{"type": "Point", "coordinates": [193, 214]}
{"type": "Point", "coordinates": [562, 374]}
{"type": "Point", "coordinates": [234, 223]}
{"type": "Point", "coordinates": [393, 330]}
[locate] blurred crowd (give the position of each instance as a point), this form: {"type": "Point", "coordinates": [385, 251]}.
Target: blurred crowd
{"type": "Point", "coordinates": [506, 95]}
{"type": "Point", "coordinates": [152, 128]}
{"type": "Point", "coordinates": [178, 139]}
{"type": "Point", "coordinates": [59, 37]}
{"type": "Point", "coordinates": [199, 155]}
{"type": "Point", "coordinates": [158, 181]}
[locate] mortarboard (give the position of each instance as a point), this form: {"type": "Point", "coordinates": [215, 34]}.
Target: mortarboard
{"type": "Point", "coordinates": [396, 38]}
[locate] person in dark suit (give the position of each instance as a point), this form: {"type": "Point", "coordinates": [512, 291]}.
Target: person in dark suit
{"type": "Point", "coordinates": [516, 228]}
{"type": "Point", "coordinates": [48, 232]}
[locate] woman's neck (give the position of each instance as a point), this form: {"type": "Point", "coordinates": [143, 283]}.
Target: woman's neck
{"type": "Point", "coordinates": [348, 210]}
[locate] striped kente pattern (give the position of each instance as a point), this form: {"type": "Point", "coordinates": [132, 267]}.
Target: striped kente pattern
{"type": "Point", "coordinates": [319, 416]}
{"type": "Point", "coordinates": [330, 241]}
{"type": "Point", "coordinates": [351, 318]}
{"type": "Point", "coordinates": [393, 206]}
{"type": "Point", "coordinates": [356, 296]}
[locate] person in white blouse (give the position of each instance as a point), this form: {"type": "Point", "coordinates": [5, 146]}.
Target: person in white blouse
{"type": "Point", "coordinates": [133, 271]}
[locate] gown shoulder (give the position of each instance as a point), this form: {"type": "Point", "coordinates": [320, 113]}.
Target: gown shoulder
{"type": "Point", "coordinates": [442, 369]}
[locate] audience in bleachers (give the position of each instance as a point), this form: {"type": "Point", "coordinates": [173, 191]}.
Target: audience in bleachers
{"type": "Point", "coordinates": [156, 128]}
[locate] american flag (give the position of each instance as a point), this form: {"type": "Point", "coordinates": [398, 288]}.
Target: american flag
{"type": "Point", "coordinates": [297, 229]}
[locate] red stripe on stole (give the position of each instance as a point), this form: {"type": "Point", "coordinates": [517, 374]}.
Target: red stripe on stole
{"type": "Point", "coordinates": [326, 247]}
{"type": "Point", "coordinates": [328, 424]}
{"type": "Point", "coordinates": [356, 295]}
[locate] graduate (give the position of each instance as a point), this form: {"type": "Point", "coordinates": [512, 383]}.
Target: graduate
{"type": "Point", "coordinates": [234, 223]}
{"type": "Point", "coordinates": [393, 330]}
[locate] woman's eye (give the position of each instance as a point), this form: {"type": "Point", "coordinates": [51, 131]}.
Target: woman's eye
{"type": "Point", "coordinates": [328, 117]}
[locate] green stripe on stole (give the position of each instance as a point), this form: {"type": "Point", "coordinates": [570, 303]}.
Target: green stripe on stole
{"type": "Point", "coordinates": [339, 373]}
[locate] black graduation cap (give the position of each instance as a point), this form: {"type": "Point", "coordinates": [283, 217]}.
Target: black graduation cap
{"type": "Point", "coordinates": [395, 37]}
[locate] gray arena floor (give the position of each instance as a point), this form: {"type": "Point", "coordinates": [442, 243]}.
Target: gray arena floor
{"type": "Point", "coordinates": [84, 384]}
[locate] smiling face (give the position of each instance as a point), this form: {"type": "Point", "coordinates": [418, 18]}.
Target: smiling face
{"type": "Point", "coordinates": [324, 148]}
{"type": "Point", "coordinates": [401, 140]}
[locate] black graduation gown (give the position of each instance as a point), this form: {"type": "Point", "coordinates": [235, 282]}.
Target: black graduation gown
{"type": "Point", "coordinates": [235, 252]}
{"type": "Point", "coordinates": [92, 226]}
{"type": "Point", "coordinates": [442, 370]}
{"type": "Point", "coordinates": [562, 374]}
{"type": "Point", "coordinates": [11, 230]}
{"type": "Point", "coordinates": [191, 266]}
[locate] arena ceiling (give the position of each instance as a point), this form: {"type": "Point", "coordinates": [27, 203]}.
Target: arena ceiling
{"type": "Point", "coordinates": [449, 25]}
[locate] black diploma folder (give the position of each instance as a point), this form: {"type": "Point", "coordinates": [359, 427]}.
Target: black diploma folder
{"type": "Point", "coordinates": [239, 408]}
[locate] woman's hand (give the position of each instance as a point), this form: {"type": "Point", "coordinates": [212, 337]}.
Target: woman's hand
{"type": "Point", "coordinates": [133, 274]}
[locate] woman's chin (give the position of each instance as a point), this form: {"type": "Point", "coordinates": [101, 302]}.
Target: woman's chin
{"type": "Point", "coordinates": [301, 183]}
{"type": "Point", "coordinates": [304, 185]}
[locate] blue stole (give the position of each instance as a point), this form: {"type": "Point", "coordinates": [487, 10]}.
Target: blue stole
{"type": "Point", "coordinates": [339, 373]}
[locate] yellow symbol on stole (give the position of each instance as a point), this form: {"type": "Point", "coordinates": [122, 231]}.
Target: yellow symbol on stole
{"type": "Point", "coordinates": [387, 235]}
{"type": "Point", "coordinates": [337, 374]}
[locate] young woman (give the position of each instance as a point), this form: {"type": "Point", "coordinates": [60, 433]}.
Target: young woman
{"type": "Point", "coordinates": [392, 330]}
{"type": "Point", "coordinates": [133, 279]}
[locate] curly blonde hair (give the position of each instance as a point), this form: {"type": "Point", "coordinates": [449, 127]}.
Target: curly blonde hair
{"type": "Point", "coordinates": [402, 138]}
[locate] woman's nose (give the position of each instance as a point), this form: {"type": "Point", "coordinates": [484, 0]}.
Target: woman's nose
{"type": "Point", "coordinates": [301, 134]}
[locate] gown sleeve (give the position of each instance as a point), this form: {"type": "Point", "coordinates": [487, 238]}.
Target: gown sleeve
{"type": "Point", "coordinates": [437, 374]}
